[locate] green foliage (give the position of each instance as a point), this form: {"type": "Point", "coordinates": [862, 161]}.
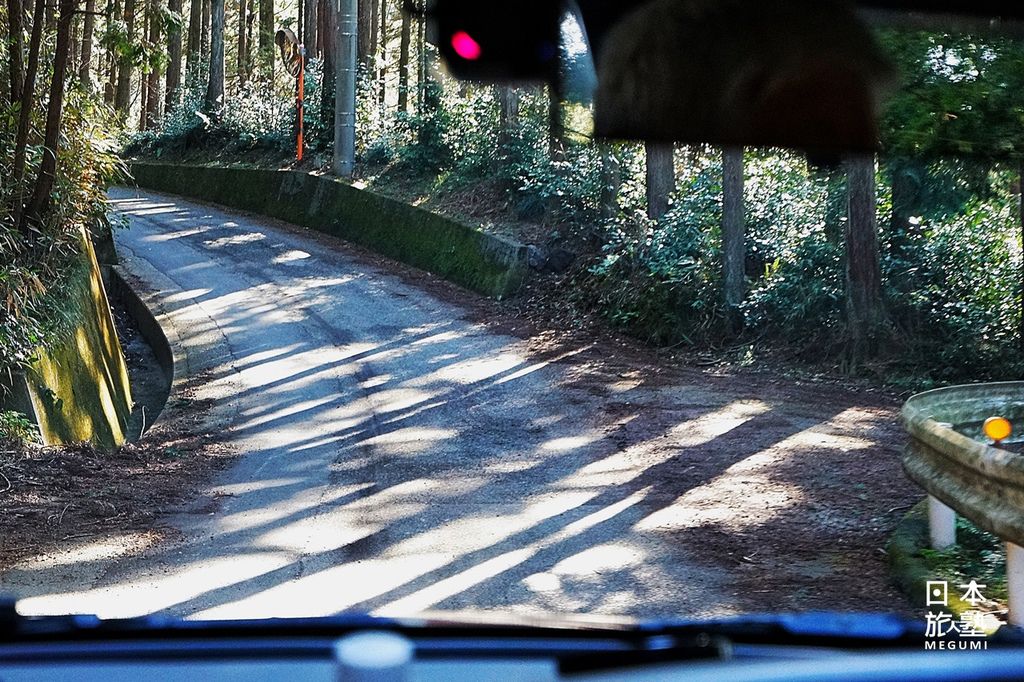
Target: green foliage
{"type": "Point", "coordinates": [16, 427]}
{"type": "Point", "coordinates": [255, 118]}
{"type": "Point", "coordinates": [978, 555]}
{"type": "Point", "coordinates": [35, 273]}
{"type": "Point", "coordinates": [960, 291]}
{"type": "Point", "coordinates": [660, 283]}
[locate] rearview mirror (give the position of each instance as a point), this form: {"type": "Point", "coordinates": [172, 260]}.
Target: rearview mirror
{"type": "Point", "coordinates": [791, 73]}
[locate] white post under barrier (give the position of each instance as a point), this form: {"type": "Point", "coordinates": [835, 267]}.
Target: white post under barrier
{"type": "Point", "coordinates": [1015, 583]}
{"type": "Point", "coordinates": [941, 524]}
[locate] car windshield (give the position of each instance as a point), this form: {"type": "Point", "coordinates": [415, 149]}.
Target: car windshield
{"type": "Point", "coordinates": [296, 322]}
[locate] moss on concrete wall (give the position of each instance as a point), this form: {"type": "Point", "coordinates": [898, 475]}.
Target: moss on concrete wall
{"type": "Point", "coordinates": [78, 386]}
{"type": "Point", "coordinates": [468, 256]}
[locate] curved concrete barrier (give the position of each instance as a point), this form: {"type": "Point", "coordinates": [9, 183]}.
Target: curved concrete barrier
{"type": "Point", "coordinates": [489, 264]}
{"type": "Point", "coordinates": [76, 389]}
{"type": "Point", "coordinates": [982, 482]}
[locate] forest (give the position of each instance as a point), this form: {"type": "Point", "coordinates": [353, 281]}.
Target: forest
{"type": "Point", "coordinates": [905, 267]}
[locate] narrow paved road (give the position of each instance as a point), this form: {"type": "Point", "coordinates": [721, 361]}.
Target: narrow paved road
{"type": "Point", "coordinates": [398, 458]}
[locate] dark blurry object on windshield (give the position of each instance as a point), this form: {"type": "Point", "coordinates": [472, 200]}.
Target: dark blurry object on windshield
{"type": "Point", "coordinates": [792, 73]}
{"type": "Point", "coordinates": [497, 41]}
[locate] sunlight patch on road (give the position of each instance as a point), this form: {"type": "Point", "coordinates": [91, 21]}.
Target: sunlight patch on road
{"type": "Point", "coordinates": [305, 406]}
{"type": "Point", "coordinates": [183, 296]}
{"type": "Point", "coordinates": [460, 582]}
{"type": "Point", "coordinates": [750, 492]}
{"type": "Point", "coordinates": [237, 489]}
{"type": "Point", "coordinates": [325, 531]}
{"type": "Point", "coordinates": [145, 209]}
{"type": "Point", "coordinates": [290, 257]}
{"type": "Point", "coordinates": [472, 533]}
{"type": "Point", "coordinates": [176, 234]}
{"type": "Point", "coordinates": [146, 594]}
{"type": "Point", "coordinates": [328, 591]}
{"type": "Point", "coordinates": [470, 371]}
{"type": "Point", "coordinates": [626, 465]}
{"type": "Point", "coordinates": [611, 556]}
{"type": "Point", "coordinates": [234, 240]}
{"type": "Point", "coordinates": [490, 568]}
{"type": "Point", "coordinates": [571, 442]}
{"type": "Point", "coordinates": [511, 466]}
{"type": "Point", "coordinates": [412, 440]}
{"type": "Point", "coordinates": [97, 550]}
{"type": "Point", "coordinates": [290, 504]}
{"type": "Point", "coordinates": [375, 381]}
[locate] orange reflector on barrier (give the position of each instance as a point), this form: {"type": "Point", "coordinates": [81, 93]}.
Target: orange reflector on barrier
{"type": "Point", "coordinates": [997, 428]}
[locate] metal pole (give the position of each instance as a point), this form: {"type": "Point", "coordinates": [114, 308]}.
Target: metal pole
{"type": "Point", "coordinates": [345, 89]}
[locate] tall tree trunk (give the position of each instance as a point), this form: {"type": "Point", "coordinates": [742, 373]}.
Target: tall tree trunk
{"type": "Point", "coordinates": [267, 30]}
{"type": "Point", "coordinates": [75, 47]}
{"type": "Point", "coordinates": [40, 201]}
{"type": "Point", "coordinates": [15, 48]}
{"type": "Point", "coordinates": [153, 77]}
{"type": "Point", "coordinates": [144, 85]}
{"type": "Point", "coordinates": [508, 128]}
{"type": "Point", "coordinates": [836, 201]}
{"type": "Point", "coordinates": [320, 18]}
{"type": "Point", "coordinates": [172, 95]}
{"type": "Point", "coordinates": [660, 178]}
{"type": "Point", "coordinates": [906, 188]}
{"type": "Point", "coordinates": [421, 58]}
{"type": "Point", "coordinates": [611, 181]}
{"type": "Point", "coordinates": [556, 126]}
{"type": "Point", "coordinates": [733, 235]}
{"type": "Point", "coordinates": [194, 46]}
{"type": "Point", "coordinates": [329, 36]}
{"type": "Point", "coordinates": [1020, 216]}
{"type": "Point", "coordinates": [25, 113]}
{"type": "Point", "coordinates": [404, 45]}
{"type": "Point", "coordinates": [122, 97]}
{"type": "Point", "coordinates": [215, 85]}
{"type": "Point", "coordinates": [85, 59]}
{"type": "Point", "coordinates": [113, 15]}
{"type": "Point", "coordinates": [367, 30]}
{"type": "Point", "coordinates": [508, 113]}
{"type": "Point", "coordinates": [382, 55]}
{"type": "Point", "coordinates": [556, 150]}
{"type": "Point", "coordinates": [242, 53]}
{"type": "Point", "coordinates": [309, 25]}
{"type": "Point", "coordinates": [864, 311]}
{"type": "Point", "coordinates": [204, 35]}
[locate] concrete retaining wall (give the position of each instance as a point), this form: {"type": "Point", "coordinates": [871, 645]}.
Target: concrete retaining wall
{"type": "Point", "coordinates": [77, 389]}
{"type": "Point", "coordinates": [468, 256]}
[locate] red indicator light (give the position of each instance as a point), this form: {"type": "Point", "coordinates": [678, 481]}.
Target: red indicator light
{"type": "Point", "coordinates": [465, 46]}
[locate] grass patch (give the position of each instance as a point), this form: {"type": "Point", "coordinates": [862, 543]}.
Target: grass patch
{"type": "Point", "coordinates": [978, 555]}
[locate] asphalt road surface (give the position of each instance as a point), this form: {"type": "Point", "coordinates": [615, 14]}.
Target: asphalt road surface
{"type": "Point", "coordinates": [398, 458]}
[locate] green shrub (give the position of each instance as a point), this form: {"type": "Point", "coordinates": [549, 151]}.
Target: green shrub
{"type": "Point", "coordinates": [16, 427]}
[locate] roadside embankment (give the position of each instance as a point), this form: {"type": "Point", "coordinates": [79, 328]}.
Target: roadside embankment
{"type": "Point", "coordinates": [77, 388]}
{"type": "Point", "coordinates": [485, 263]}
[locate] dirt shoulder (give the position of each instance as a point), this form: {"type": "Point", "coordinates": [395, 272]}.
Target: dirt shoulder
{"type": "Point", "coordinates": [53, 499]}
